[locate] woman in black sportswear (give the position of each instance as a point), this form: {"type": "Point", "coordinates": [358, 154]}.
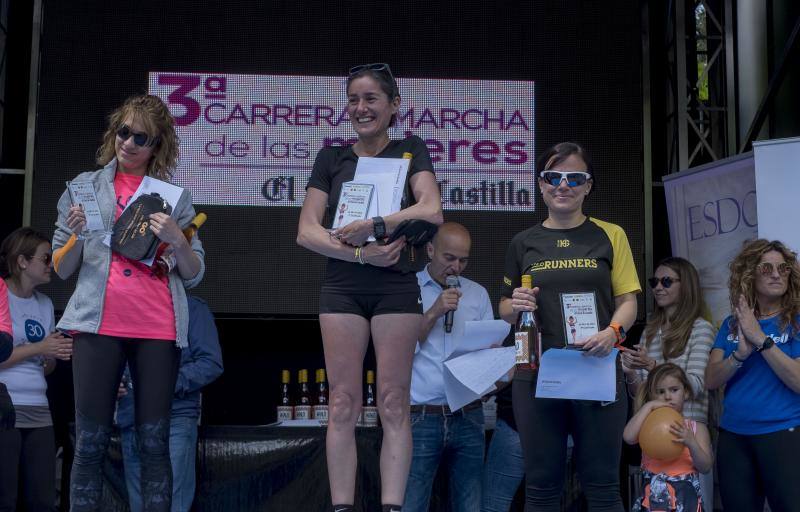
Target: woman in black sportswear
{"type": "Point", "coordinates": [361, 296]}
{"type": "Point", "coordinates": [570, 253]}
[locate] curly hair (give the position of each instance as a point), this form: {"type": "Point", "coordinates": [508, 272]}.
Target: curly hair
{"type": "Point", "coordinates": [743, 275]}
{"type": "Point", "coordinates": [648, 392]}
{"type": "Point", "coordinates": [21, 242]}
{"type": "Point", "coordinates": [677, 328]}
{"type": "Point", "coordinates": [157, 122]}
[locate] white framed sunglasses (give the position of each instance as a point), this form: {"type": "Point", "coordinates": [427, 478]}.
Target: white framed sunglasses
{"type": "Point", "coordinates": [574, 178]}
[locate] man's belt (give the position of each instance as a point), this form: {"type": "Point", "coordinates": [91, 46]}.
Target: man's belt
{"type": "Point", "coordinates": [444, 410]}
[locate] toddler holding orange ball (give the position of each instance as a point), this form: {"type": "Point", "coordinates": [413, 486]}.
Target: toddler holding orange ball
{"type": "Point", "coordinates": [674, 450]}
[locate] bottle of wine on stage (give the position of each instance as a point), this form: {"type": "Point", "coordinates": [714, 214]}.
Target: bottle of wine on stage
{"type": "Point", "coordinates": [165, 261]}
{"type": "Point", "coordinates": [527, 339]}
{"type": "Point", "coordinates": [320, 409]}
{"type": "Point", "coordinates": [302, 409]}
{"type": "Point", "coordinates": [285, 408]}
{"type": "Point", "coordinates": [370, 406]}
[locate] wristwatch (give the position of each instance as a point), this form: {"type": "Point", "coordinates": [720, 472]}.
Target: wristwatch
{"type": "Point", "coordinates": [768, 343]}
{"type": "Point", "coordinates": [379, 228]}
{"type": "Point", "coordinates": [619, 331]}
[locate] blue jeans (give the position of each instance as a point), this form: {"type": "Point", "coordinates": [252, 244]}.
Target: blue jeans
{"type": "Point", "coordinates": [457, 440]}
{"type": "Point", "coordinates": [182, 449]}
{"type": "Point", "coordinates": [504, 469]}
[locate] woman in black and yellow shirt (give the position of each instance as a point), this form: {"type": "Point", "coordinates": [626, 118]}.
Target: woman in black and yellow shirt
{"type": "Point", "coordinates": [570, 253]}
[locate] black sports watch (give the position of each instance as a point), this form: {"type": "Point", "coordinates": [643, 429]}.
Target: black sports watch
{"type": "Point", "coordinates": [379, 228]}
{"type": "Point", "coordinates": [768, 343]}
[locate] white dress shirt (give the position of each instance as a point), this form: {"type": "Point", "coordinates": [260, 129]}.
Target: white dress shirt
{"type": "Point", "coordinates": [427, 372]}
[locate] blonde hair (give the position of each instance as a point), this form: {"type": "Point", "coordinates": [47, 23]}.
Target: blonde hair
{"type": "Point", "coordinates": [647, 391]}
{"type": "Point", "coordinates": [743, 275]}
{"type": "Point", "coordinates": [159, 125]}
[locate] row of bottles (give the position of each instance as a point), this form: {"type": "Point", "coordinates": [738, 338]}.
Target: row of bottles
{"type": "Point", "coordinates": [305, 404]}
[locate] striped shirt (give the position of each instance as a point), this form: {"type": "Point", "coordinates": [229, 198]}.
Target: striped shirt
{"type": "Point", "coordinates": [693, 360]}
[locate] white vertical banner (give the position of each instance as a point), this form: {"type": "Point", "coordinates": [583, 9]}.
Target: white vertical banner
{"type": "Point", "coordinates": [712, 211]}
{"type": "Point", "coordinates": [778, 185]}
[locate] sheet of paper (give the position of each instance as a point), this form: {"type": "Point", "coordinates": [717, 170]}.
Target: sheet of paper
{"type": "Point", "coordinates": [394, 170]}
{"type": "Point", "coordinates": [571, 374]}
{"type": "Point", "coordinates": [168, 191]}
{"type": "Point", "coordinates": [172, 193]}
{"type": "Point", "coordinates": [470, 376]}
{"type": "Point", "coordinates": [82, 193]}
{"type": "Point", "coordinates": [480, 334]}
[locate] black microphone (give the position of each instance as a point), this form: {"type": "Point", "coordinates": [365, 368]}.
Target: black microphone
{"type": "Point", "coordinates": [451, 282]}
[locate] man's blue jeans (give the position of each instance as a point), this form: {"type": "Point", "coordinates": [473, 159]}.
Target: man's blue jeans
{"type": "Point", "coordinates": [504, 469]}
{"type": "Point", "coordinates": [182, 449]}
{"type": "Point", "coordinates": [457, 442]}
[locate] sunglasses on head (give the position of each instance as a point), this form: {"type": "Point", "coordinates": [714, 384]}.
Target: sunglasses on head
{"type": "Point", "coordinates": [766, 268]}
{"type": "Point", "coordinates": [665, 281]}
{"type": "Point", "coordinates": [574, 178]}
{"type": "Point", "coordinates": [44, 258]}
{"type": "Point", "coordinates": [140, 139]}
{"type": "Point", "coordinates": [378, 66]}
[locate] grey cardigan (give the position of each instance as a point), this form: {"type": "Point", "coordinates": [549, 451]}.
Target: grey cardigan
{"type": "Point", "coordinates": [85, 308]}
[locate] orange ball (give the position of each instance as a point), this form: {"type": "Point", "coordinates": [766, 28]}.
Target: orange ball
{"type": "Point", "coordinates": [655, 438]}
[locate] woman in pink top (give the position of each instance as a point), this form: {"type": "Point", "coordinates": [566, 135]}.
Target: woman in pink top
{"type": "Point", "coordinates": [122, 310]}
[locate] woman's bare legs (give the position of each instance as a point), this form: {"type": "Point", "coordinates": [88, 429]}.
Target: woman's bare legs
{"type": "Point", "coordinates": [345, 338]}
{"type": "Point", "coordinates": [395, 336]}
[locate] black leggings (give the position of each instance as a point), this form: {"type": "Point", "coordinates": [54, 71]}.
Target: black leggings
{"type": "Point", "coordinates": [29, 455]}
{"type": "Point", "coordinates": [758, 466]}
{"type": "Point", "coordinates": [543, 425]}
{"type": "Point", "coordinates": [97, 364]}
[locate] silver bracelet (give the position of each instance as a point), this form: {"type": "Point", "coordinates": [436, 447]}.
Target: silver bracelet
{"type": "Point", "coordinates": [736, 362]}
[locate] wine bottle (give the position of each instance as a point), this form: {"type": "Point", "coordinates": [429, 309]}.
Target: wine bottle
{"type": "Point", "coordinates": [165, 261]}
{"type": "Point", "coordinates": [527, 339]}
{"type": "Point", "coordinates": [370, 409]}
{"type": "Point", "coordinates": [285, 408]}
{"type": "Point", "coordinates": [302, 409]}
{"type": "Point", "coordinates": [320, 409]}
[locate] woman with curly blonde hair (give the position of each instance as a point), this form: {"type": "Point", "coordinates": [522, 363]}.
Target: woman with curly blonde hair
{"type": "Point", "coordinates": [121, 310]}
{"type": "Point", "coordinates": [757, 357]}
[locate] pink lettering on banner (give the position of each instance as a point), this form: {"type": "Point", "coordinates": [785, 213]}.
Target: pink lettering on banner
{"type": "Point", "coordinates": [252, 139]}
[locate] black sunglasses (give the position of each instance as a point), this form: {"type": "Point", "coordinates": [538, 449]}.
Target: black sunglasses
{"type": "Point", "coordinates": [140, 139]}
{"type": "Point", "coordinates": [377, 66]}
{"type": "Point", "coordinates": [665, 281]}
{"type": "Point", "coordinates": [44, 258]}
{"type": "Point", "coordinates": [574, 178]}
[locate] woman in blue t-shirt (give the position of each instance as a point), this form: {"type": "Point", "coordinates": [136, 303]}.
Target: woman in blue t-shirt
{"type": "Point", "coordinates": [757, 356]}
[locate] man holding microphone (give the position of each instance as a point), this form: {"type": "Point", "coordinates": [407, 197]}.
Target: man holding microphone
{"type": "Point", "coordinates": [448, 301]}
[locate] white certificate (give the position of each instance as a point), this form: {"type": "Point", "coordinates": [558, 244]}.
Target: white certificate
{"type": "Point", "coordinates": [389, 177]}
{"type": "Point", "coordinates": [82, 193]}
{"type": "Point", "coordinates": [579, 312]}
{"type": "Point", "coordinates": [354, 203]}
{"type": "Point", "coordinates": [571, 374]}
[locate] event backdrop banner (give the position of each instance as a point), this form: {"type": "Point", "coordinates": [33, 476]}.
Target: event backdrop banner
{"type": "Point", "coordinates": [778, 185]}
{"type": "Point", "coordinates": [712, 210]}
{"type": "Point", "coordinates": [251, 140]}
